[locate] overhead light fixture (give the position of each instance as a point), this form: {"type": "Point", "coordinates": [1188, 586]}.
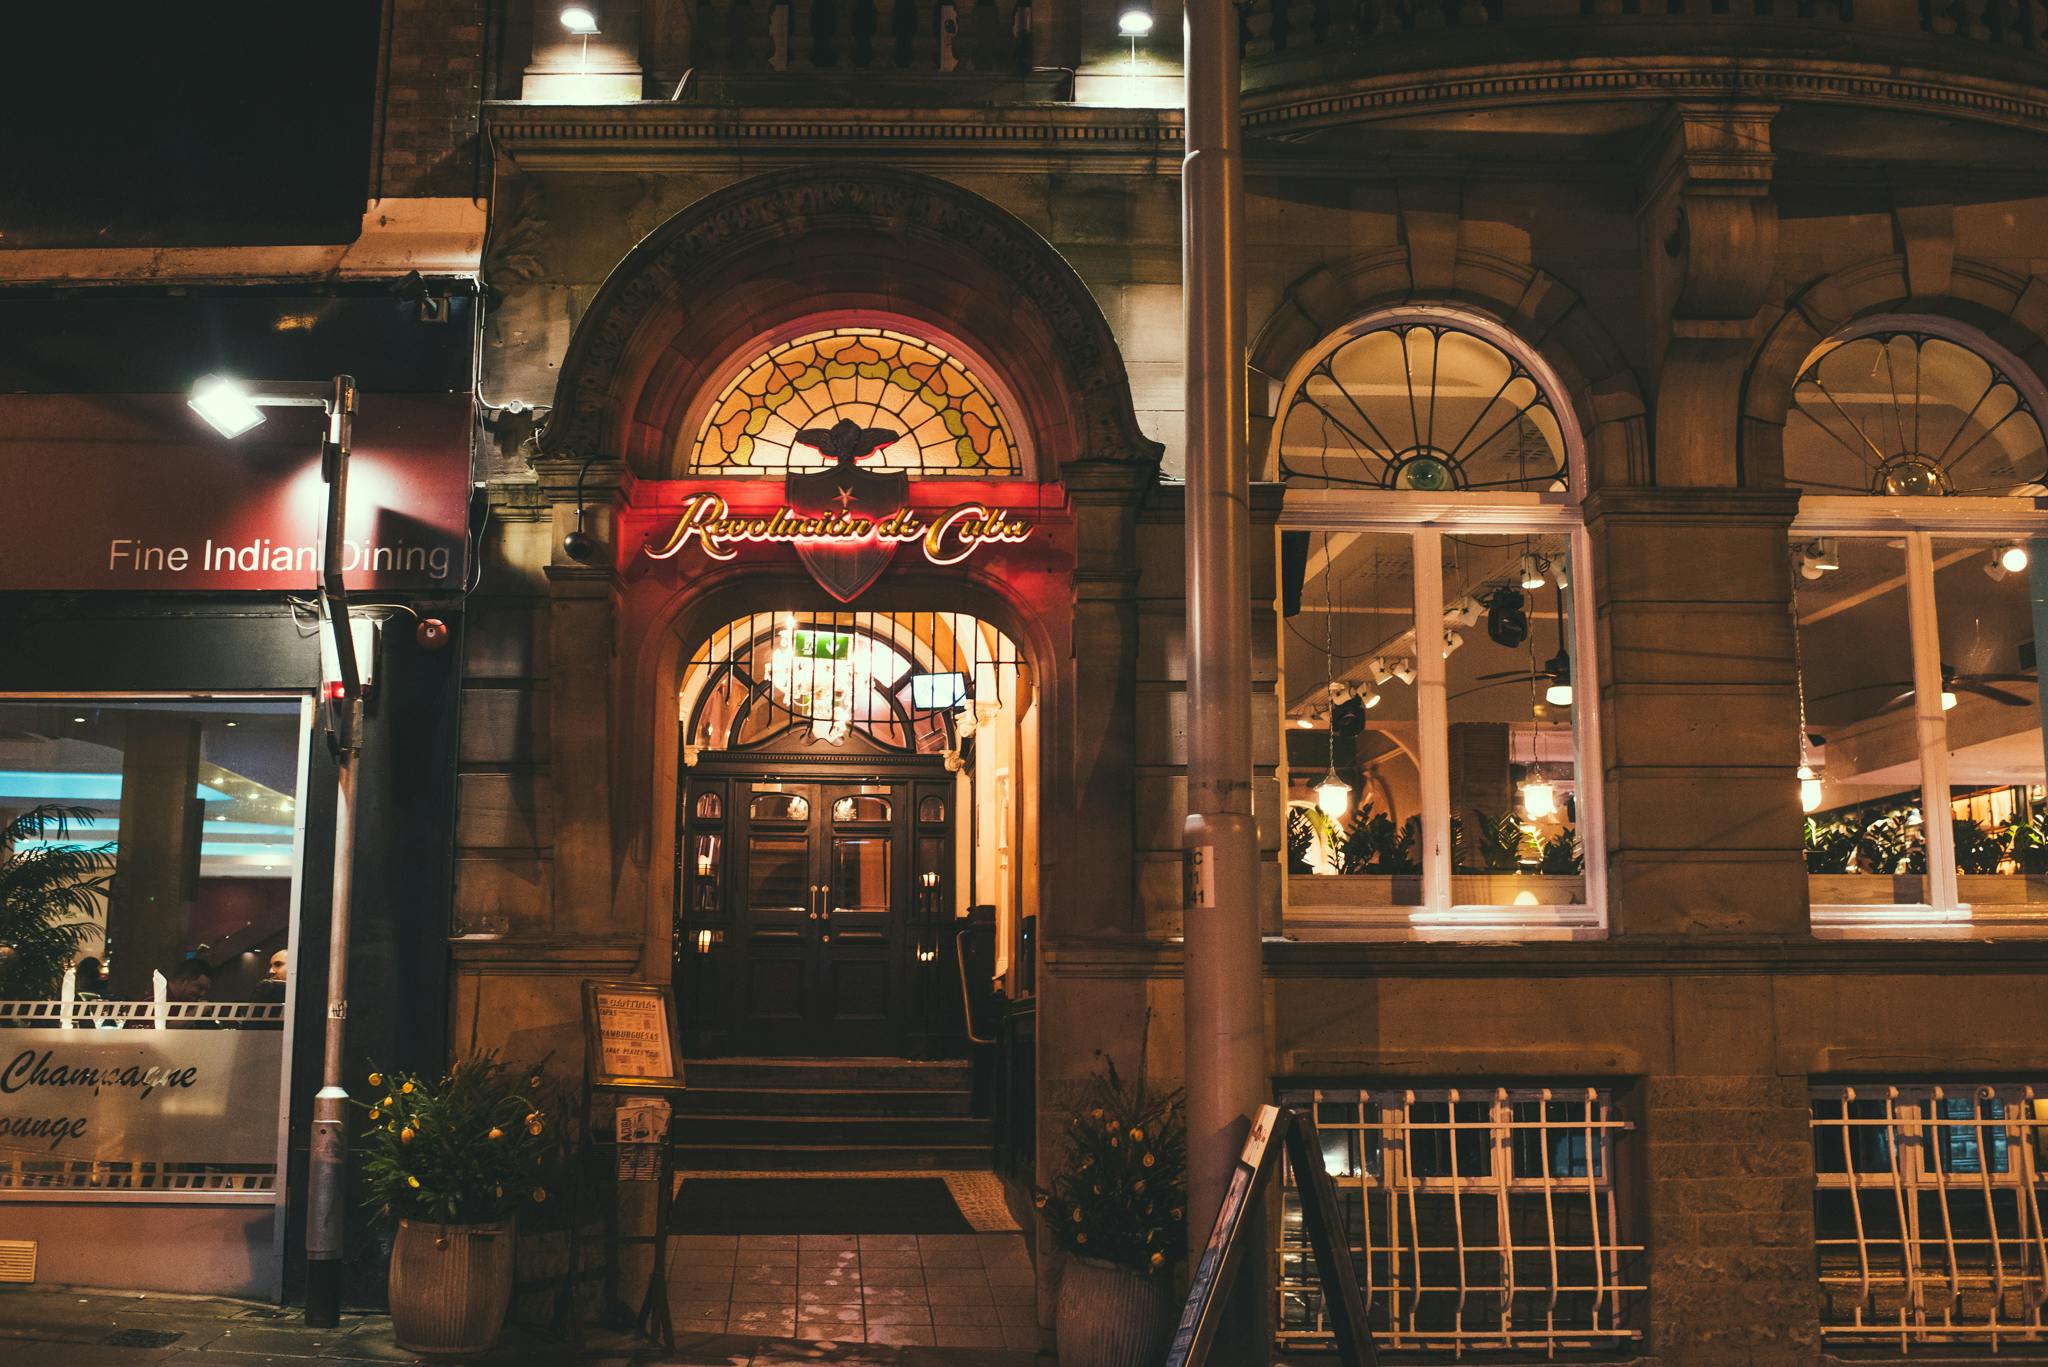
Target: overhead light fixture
{"type": "Point", "coordinates": [1333, 796]}
{"type": "Point", "coordinates": [1404, 669]}
{"type": "Point", "coordinates": [1380, 670]}
{"type": "Point", "coordinates": [1559, 691]}
{"type": "Point", "coordinates": [1305, 723]}
{"type": "Point", "coordinates": [1134, 18]}
{"type": "Point", "coordinates": [1507, 622]}
{"type": "Point", "coordinates": [581, 19]}
{"type": "Point", "coordinates": [1531, 573]}
{"type": "Point", "coordinates": [226, 405]}
{"type": "Point", "coordinates": [1464, 613]}
{"type": "Point", "coordinates": [1370, 697]}
{"type": "Point", "coordinates": [1809, 789]}
{"type": "Point", "coordinates": [1948, 701]}
{"type": "Point", "coordinates": [1452, 640]}
{"type": "Point", "coordinates": [1539, 798]}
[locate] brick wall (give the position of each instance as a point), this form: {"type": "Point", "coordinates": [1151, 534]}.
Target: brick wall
{"type": "Point", "coordinates": [430, 75]}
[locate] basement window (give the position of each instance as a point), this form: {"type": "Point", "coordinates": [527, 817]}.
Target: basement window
{"type": "Point", "coordinates": [1482, 1219]}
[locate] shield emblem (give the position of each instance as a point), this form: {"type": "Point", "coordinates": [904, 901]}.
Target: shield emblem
{"type": "Point", "coordinates": [844, 569]}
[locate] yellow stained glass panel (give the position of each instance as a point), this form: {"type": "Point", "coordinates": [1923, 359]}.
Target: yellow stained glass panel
{"type": "Point", "coordinates": [950, 424]}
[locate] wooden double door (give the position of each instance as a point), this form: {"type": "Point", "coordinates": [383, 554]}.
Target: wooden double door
{"type": "Point", "coordinates": [828, 899]}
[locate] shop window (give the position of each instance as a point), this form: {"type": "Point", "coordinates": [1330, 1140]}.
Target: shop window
{"type": "Point", "coordinates": [779, 807]}
{"type": "Point", "coordinates": [150, 858]}
{"type": "Point", "coordinates": [946, 419]}
{"type": "Point", "coordinates": [1481, 1219]}
{"type": "Point", "coordinates": [1435, 639]}
{"type": "Point", "coordinates": [1917, 597]}
{"type": "Point", "coordinates": [1927, 1214]}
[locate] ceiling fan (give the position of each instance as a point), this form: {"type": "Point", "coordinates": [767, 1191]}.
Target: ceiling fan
{"type": "Point", "coordinates": [1555, 674]}
{"type": "Point", "coordinates": [1982, 685]}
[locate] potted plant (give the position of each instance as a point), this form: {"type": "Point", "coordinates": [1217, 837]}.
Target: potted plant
{"type": "Point", "coordinates": [49, 891]}
{"type": "Point", "coordinates": [1118, 1206]}
{"type": "Point", "coordinates": [453, 1160]}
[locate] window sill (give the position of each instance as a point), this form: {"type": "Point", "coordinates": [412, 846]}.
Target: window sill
{"type": "Point", "coordinates": [1905, 921]}
{"type": "Point", "coordinates": [1335, 909]}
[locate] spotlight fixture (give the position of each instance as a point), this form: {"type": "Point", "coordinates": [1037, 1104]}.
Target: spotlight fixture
{"type": "Point", "coordinates": [1817, 558]}
{"type": "Point", "coordinates": [1809, 789]}
{"type": "Point", "coordinates": [1370, 697]}
{"type": "Point", "coordinates": [1379, 669]}
{"type": "Point", "coordinates": [1558, 693]}
{"type": "Point", "coordinates": [1347, 717]}
{"type": "Point", "coordinates": [1134, 18]}
{"type": "Point", "coordinates": [1452, 640]}
{"type": "Point", "coordinates": [1464, 613]}
{"type": "Point", "coordinates": [1404, 669]}
{"type": "Point", "coordinates": [1531, 572]}
{"type": "Point", "coordinates": [2010, 558]}
{"type": "Point", "coordinates": [580, 18]}
{"type": "Point", "coordinates": [1507, 623]}
{"type": "Point", "coordinates": [1305, 723]}
{"type": "Point", "coordinates": [1333, 796]}
{"type": "Point", "coordinates": [1948, 701]}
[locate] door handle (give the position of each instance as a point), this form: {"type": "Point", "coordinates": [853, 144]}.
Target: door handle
{"type": "Point", "coordinates": [814, 901]}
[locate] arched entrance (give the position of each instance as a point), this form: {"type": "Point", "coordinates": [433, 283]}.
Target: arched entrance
{"type": "Point", "coordinates": [855, 804]}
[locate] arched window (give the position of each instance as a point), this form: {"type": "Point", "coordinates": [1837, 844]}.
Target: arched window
{"type": "Point", "coordinates": [1435, 635]}
{"type": "Point", "coordinates": [947, 419]}
{"type": "Point", "coordinates": [1422, 400]}
{"type": "Point", "coordinates": [1918, 599]}
{"type": "Point", "coordinates": [1908, 407]}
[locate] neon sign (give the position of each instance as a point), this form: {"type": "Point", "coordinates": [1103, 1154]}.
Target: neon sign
{"type": "Point", "coordinates": [947, 536]}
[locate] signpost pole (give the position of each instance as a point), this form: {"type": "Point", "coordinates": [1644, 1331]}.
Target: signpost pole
{"type": "Point", "coordinates": [1223, 977]}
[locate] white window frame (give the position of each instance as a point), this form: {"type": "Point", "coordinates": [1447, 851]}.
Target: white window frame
{"type": "Point", "coordinates": [1426, 518]}
{"type": "Point", "coordinates": [1919, 522]}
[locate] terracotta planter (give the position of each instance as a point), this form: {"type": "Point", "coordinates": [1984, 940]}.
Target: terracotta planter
{"type": "Point", "coordinates": [450, 1285]}
{"type": "Point", "coordinates": [1111, 1317]}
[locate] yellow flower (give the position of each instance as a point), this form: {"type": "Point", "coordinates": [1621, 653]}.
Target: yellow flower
{"type": "Point", "coordinates": [1137, 1136]}
{"type": "Point", "coordinates": [405, 1135]}
{"type": "Point", "coordinates": [388, 1100]}
{"type": "Point", "coordinates": [533, 1128]}
{"type": "Point", "coordinates": [375, 1113]}
{"type": "Point", "coordinates": [1115, 1143]}
{"type": "Point", "coordinates": [405, 1087]}
{"type": "Point", "coordinates": [413, 1182]}
{"type": "Point", "coordinates": [1158, 1258]}
{"type": "Point", "coordinates": [1139, 1185]}
{"type": "Point", "coordinates": [1038, 1204]}
{"type": "Point", "coordinates": [1148, 1160]}
{"type": "Point", "coordinates": [376, 1079]}
{"type": "Point", "coordinates": [497, 1133]}
{"type": "Point", "coordinates": [1098, 1191]}
{"type": "Point", "coordinates": [1097, 1113]}
{"type": "Point", "coordinates": [1177, 1212]}
{"type": "Point", "coordinates": [533, 1081]}
{"type": "Point", "coordinates": [1077, 1215]}
{"type": "Point", "coordinates": [1080, 1238]}
{"type": "Point", "coordinates": [540, 1193]}
{"type": "Point", "coordinates": [498, 1190]}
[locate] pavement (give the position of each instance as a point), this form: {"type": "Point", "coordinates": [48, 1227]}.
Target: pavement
{"type": "Point", "coordinates": [46, 1326]}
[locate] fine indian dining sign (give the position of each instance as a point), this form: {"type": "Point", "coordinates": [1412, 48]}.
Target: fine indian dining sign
{"type": "Point", "coordinates": [844, 522]}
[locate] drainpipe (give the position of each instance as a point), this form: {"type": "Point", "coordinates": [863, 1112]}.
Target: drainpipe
{"type": "Point", "coordinates": [1224, 1001]}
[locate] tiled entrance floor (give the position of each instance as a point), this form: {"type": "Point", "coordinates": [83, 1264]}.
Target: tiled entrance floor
{"type": "Point", "coordinates": [947, 1290]}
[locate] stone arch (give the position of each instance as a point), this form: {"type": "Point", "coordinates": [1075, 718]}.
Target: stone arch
{"type": "Point", "coordinates": [764, 254]}
{"type": "Point", "coordinates": [1603, 394]}
{"type": "Point", "coordinates": [2011, 310]}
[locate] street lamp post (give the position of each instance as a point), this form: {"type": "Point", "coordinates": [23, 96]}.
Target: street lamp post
{"type": "Point", "coordinates": [233, 409]}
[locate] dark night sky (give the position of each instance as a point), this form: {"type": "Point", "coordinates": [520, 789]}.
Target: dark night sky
{"type": "Point", "coordinates": [187, 122]}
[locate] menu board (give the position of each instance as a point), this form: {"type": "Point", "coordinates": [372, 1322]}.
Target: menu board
{"type": "Point", "coordinates": [631, 1039]}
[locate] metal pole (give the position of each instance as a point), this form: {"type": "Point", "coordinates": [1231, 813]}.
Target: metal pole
{"type": "Point", "coordinates": [328, 1175]}
{"type": "Point", "coordinates": [1224, 982]}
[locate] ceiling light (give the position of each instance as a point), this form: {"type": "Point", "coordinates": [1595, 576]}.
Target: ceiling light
{"type": "Point", "coordinates": [225, 404]}
{"type": "Point", "coordinates": [1452, 640]}
{"type": "Point", "coordinates": [1464, 613]}
{"type": "Point", "coordinates": [1531, 574]}
{"type": "Point", "coordinates": [1559, 668]}
{"type": "Point", "coordinates": [580, 19]}
{"type": "Point", "coordinates": [1948, 700]}
{"type": "Point", "coordinates": [1333, 796]}
{"type": "Point", "coordinates": [1404, 669]}
{"type": "Point", "coordinates": [1134, 18]}
{"type": "Point", "coordinates": [1370, 697]}
{"type": "Point", "coordinates": [78, 721]}
{"type": "Point", "coordinates": [2011, 557]}
{"type": "Point", "coordinates": [1558, 695]}
{"type": "Point", "coordinates": [1817, 558]}
{"type": "Point", "coordinates": [1305, 723]}
{"type": "Point", "coordinates": [1380, 670]}
{"type": "Point", "coordinates": [1809, 789]}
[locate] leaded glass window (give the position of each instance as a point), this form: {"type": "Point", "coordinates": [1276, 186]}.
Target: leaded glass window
{"type": "Point", "coordinates": [1426, 402]}
{"type": "Point", "coordinates": [948, 419]}
{"type": "Point", "coordinates": [1899, 409]}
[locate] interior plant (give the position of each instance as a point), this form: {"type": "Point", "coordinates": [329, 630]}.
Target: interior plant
{"type": "Point", "coordinates": [2026, 845]}
{"type": "Point", "coordinates": [1562, 854]}
{"type": "Point", "coordinates": [1495, 842]}
{"type": "Point", "coordinates": [1977, 850]}
{"type": "Point", "coordinates": [1373, 844]}
{"type": "Point", "coordinates": [50, 889]}
{"type": "Point", "coordinates": [454, 1158]}
{"type": "Point", "coordinates": [1830, 846]}
{"type": "Point", "coordinates": [1118, 1204]}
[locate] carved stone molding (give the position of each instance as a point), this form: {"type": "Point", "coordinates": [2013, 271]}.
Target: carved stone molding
{"type": "Point", "coordinates": [914, 223]}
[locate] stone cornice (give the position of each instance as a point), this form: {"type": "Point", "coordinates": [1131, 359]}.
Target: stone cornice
{"type": "Point", "coordinates": [654, 133]}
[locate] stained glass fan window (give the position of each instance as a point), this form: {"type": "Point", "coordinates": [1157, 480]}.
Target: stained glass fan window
{"type": "Point", "coordinates": [950, 423]}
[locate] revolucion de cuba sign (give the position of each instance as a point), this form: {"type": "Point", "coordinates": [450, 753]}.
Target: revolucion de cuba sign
{"type": "Point", "coordinates": [844, 522]}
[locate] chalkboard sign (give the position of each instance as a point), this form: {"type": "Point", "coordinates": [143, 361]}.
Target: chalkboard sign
{"type": "Point", "coordinates": [1276, 1130]}
{"type": "Point", "coordinates": [630, 1037]}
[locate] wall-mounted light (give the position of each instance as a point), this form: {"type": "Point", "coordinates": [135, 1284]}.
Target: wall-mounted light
{"type": "Point", "coordinates": [226, 405]}
{"type": "Point", "coordinates": [581, 18]}
{"type": "Point", "coordinates": [1134, 18]}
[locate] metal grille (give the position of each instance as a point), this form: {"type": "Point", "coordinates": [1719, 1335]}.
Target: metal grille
{"type": "Point", "coordinates": [93, 1014]}
{"type": "Point", "coordinates": [1928, 1214]}
{"type": "Point", "coordinates": [1479, 1219]}
{"type": "Point", "coordinates": [903, 682]}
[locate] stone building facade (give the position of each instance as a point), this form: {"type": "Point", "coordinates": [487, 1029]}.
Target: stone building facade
{"type": "Point", "coordinates": [1688, 1092]}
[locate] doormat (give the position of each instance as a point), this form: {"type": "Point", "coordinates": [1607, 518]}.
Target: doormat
{"type": "Point", "coordinates": [787, 1204]}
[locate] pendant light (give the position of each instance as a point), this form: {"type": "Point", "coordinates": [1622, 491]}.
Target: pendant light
{"type": "Point", "coordinates": [1809, 789]}
{"type": "Point", "coordinates": [1333, 794]}
{"type": "Point", "coordinates": [1810, 795]}
{"type": "Point", "coordinates": [1539, 797]}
